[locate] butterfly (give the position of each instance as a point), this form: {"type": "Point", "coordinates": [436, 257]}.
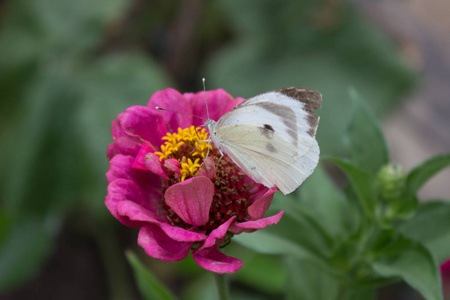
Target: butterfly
{"type": "Point", "coordinates": [271, 137]}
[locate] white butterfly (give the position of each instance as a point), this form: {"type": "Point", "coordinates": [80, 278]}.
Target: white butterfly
{"type": "Point", "coordinates": [271, 137]}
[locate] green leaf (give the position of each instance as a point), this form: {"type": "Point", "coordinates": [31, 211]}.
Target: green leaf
{"type": "Point", "coordinates": [307, 282]}
{"type": "Point", "coordinates": [149, 286]}
{"type": "Point", "coordinates": [431, 227]}
{"type": "Point", "coordinates": [407, 206]}
{"type": "Point", "coordinates": [298, 234]}
{"type": "Point", "coordinates": [23, 248]}
{"type": "Point", "coordinates": [257, 266]}
{"type": "Point", "coordinates": [421, 174]}
{"type": "Point", "coordinates": [365, 139]}
{"type": "Point", "coordinates": [319, 197]}
{"type": "Point", "coordinates": [361, 182]}
{"type": "Point", "coordinates": [412, 262]}
{"type": "Point", "coordinates": [38, 177]}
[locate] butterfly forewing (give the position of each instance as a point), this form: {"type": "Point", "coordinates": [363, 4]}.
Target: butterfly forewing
{"type": "Point", "coordinates": [271, 137]}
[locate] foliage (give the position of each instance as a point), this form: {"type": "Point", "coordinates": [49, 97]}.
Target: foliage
{"type": "Point", "coordinates": [387, 238]}
{"type": "Point", "coordinates": [63, 80]}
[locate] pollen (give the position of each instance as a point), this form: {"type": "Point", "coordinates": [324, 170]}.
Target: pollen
{"type": "Point", "coordinates": [189, 168]}
{"type": "Point", "coordinates": [189, 146]}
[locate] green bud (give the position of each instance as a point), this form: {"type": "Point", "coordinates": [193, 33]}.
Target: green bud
{"type": "Point", "coordinates": [391, 182]}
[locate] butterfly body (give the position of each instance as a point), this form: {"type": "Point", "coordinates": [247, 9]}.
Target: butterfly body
{"type": "Point", "coordinates": [271, 137]}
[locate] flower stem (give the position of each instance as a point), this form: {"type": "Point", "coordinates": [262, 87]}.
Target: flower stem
{"type": "Point", "coordinates": [222, 286]}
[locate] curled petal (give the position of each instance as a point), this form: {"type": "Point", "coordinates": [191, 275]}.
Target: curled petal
{"type": "Point", "coordinates": [173, 165]}
{"type": "Point", "coordinates": [125, 145]}
{"type": "Point", "coordinates": [136, 212]}
{"type": "Point", "coordinates": [173, 100]}
{"type": "Point", "coordinates": [158, 244]}
{"type": "Point", "coordinates": [208, 257]}
{"type": "Point", "coordinates": [153, 164]}
{"type": "Point", "coordinates": [145, 124]}
{"type": "Point", "coordinates": [121, 190]}
{"type": "Point", "coordinates": [121, 167]}
{"type": "Point", "coordinates": [141, 156]}
{"type": "Point", "coordinates": [215, 261]}
{"type": "Point", "coordinates": [149, 184]}
{"type": "Point", "coordinates": [251, 226]}
{"type": "Point", "coordinates": [116, 127]}
{"type": "Point", "coordinates": [258, 208]}
{"type": "Point", "coordinates": [208, 168]}
{"type": "Point", "coordinates": [217, 236]}
{"type": "Point", "coordinates": [182, 235]}
{"type": "Point", "coordinates": [191, 200]}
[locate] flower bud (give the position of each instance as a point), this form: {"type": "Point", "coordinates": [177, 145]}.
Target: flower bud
{"type": "Point", "coordinates": [391, 182]}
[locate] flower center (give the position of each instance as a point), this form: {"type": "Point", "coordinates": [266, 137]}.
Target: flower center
{"type": "Point", "coordinates": [187, 147]}
{"type": "Point", "coordinates": [231, 192]}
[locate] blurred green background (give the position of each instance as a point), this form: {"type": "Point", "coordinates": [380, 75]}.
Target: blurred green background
{"type": "Point", "coordinates": [67, 68]}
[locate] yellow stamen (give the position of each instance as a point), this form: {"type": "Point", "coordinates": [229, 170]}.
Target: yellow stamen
{"type": "Point", "coordinates": [185, 145]}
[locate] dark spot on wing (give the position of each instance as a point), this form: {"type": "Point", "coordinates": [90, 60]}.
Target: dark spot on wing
{"type": "Point", "coordinates": [268, 127]}
{"type": "Point", "coordinates": [271, 148]}
{"type": "Point", "coordinates": [286, 114]}
{"type": "Point", "coordinates": [267, 131]}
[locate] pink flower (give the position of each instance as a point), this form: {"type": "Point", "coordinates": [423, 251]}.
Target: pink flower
{"type": "Point", "coordinates": [181, 195]}
{"type": "Point", "coordinates": [445, 275]}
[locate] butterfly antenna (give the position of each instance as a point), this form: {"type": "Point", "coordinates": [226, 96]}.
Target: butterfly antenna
{"type": "Point", "coordinates": [178, 112]}
{"type": "Point", "coordinates": [206, 101]}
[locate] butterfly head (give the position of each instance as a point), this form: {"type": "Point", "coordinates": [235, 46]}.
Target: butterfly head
{"type": "Point", "coordinates": [210, 125]}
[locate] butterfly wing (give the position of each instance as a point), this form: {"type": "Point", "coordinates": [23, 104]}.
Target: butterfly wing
{"type": "Point", "coordinates": [271, 137]}
{"type": "Point", "coordinates": [269, 161]}
{"type": "Point", "coordinates": [286, 112]}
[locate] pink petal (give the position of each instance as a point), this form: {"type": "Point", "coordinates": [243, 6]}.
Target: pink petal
{"type": "Point", "coordinates": [123, 190]}
{"type": "Point", "coordinates": [217, 236]}
{"type": "Point", "coordinates": [173, 100]}
{"type": "Point", "coordinates": [140, 158]}
{"type": "Point", "coordinates": [154, 165]}
{"type": "Point", "coordinates": [136, 212]}
{"type": "Point", "coordinates": [116, 127]}
{"type": "Point", "coordinates": [158, 245]}
{"type": "Point", "coordinates": [125, 145]}
{"type": "Point", "coordinates": [251, 226]}
{"type": "Point", "coordinates": [173, 165]}
{"type": "Point", "coordinates": [218, 103]}
{"type": "Point", "coordinates": [121, 167]}
{"type": "Point", "coordinates": [258, 208]}
{"type": "Point", "coordinates": [191, 200]}
{"type": "Point", "coordinates": [207, 169]}
{"type": "Point", "coordinates": [148, 183]}
{"type": "Point", "coordinates": [143, 123]}
{"type": "Point", "coordinates": [215, 261]}
{"type": "Point", "coordinates": [208, 257]}
{"type": "Point", "coordinates": [182, 235]}
{"type": "Point", "coordinates": [232, 104]}
{"type": "Point", "coordinates": [445, 268]}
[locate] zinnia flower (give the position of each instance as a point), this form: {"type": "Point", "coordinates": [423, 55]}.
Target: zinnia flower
{"type": "Point", "coordinates": [180, 191]}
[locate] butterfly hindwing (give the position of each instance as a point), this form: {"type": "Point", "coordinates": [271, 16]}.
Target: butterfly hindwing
{"type": "Point", "coordinates": [272, 171]}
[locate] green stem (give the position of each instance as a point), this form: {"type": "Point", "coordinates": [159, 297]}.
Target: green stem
{"type": "Point", "coordinates": [222, 286]}
{"type": "Point", "coordinates": [119, 284]}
